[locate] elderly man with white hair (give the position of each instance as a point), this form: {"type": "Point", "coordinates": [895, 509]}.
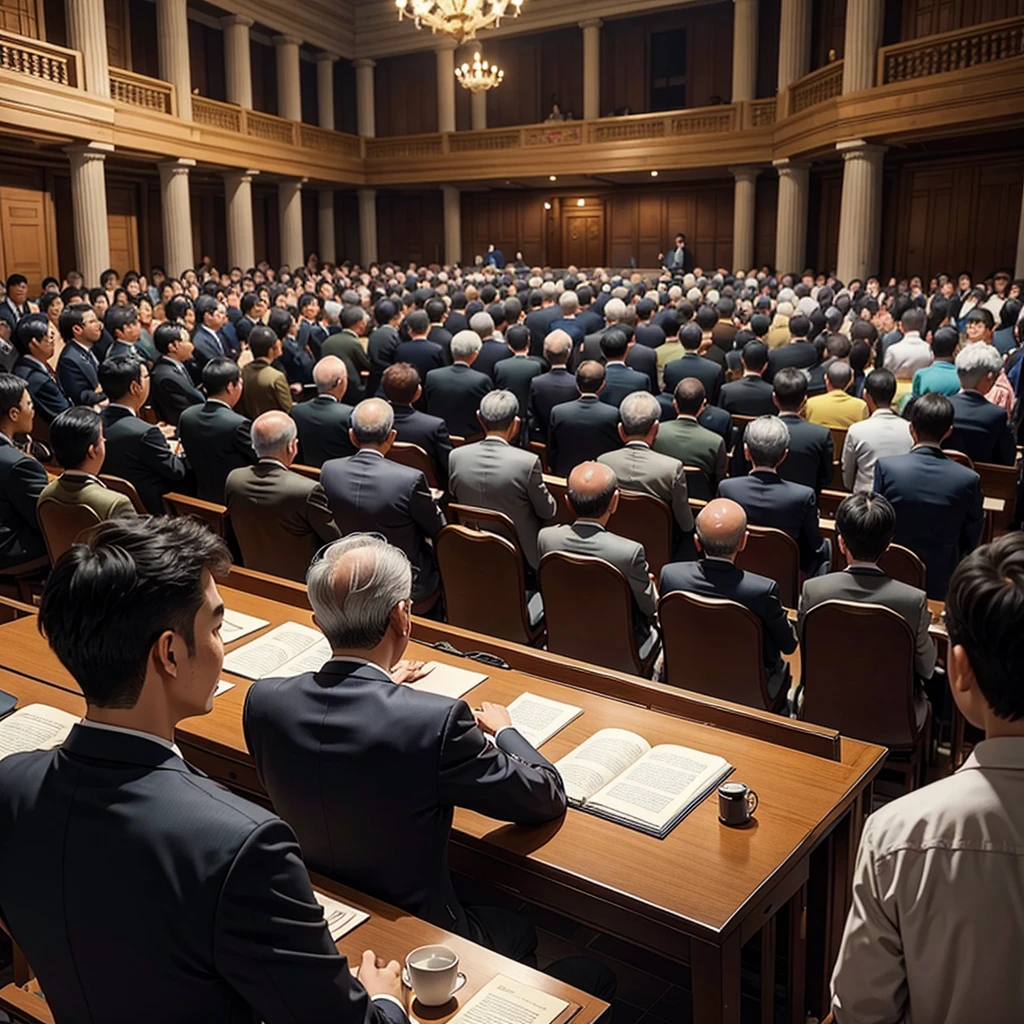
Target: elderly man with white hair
{"type": "Point", "coordinates": [323, 421]}
{"type": "Point", "coordinates": [569, 304]}
{"type": "Point", "coordinates": [492, 348]}
{"type": "Point", "coordinates": [454, 392]}
{"type": "Point", "coordinates": [279, 518]}
{"type": "Point", "coordinates": [369, 493]}
{"type": "Point", "coordinates": [980, 428]}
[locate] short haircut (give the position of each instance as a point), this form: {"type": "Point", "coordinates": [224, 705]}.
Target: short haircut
{"type": "Point", "coordinates": [384, 311]}
{"type": "Point", "coordinates": [645, 309]}
{"type": "Point", "coordinates": [435, 310]}
{"type": "Point", "coordinates": [176, 308]}
{"type": "Point", "coordinates": [517, 337]}
{"type": "Point", "coordinates": [614, 310]}
{"type": "Point", "coordinates": [464, 344]}
{"type": "Point", "coordinates": [119, 317]}
{"type": "Point", "coordinates": [589, 376]}
{"type": "Point", "coordinates": [725, 308]}
{"type": "Point", "coordinates": [974, 362]}
{"type": "Point", "coordinates": [944, 342]}
{"type": "Point", "coordinates": [568, 302]}
{"type": "Point", "coordinates": [593, 506]}
{"type": "Point", "coordinates": [249, 299]}
{"type": "Point", "coordinates": [352, 315]}
{"type": "Point", "coordinates": [767, 437]}
{"type": "Point", "coordinates": [638, 412]}
{"type": "Point", "coordinates": [690, 337]}
{"type": "Point", "coordinates": [12, 387]}
{"type": "Point", "coordinates": [400, 382]}
{"type": "Point", "coordinates": [838, 346]}
{"type": "Point", "coordinates": [719, 545]}
{"type": "Point", "coordinates": [557, 348]}
{"type": "Point", "coordinates": [498, 410]}
{"type": "Point", "coordinates": [33, 327]}
{"type": "Point", "coordinates": [760, 325]}
{"type": "Point", "coordinates": [72, 433]}
{"type": "Point", "coordinates": [205, 305]}
{"type": "Point", "coordinates": [262, 340]}
{"type": "Point", "coordinates": [931, 416]}
{"type": "Point", "coordinates": [689, 396]}
{"type": "Point", "coordinates": [881, 386]}
{"type": "Point", "coordinates": [266, 441]}
{"type": "Point", "coordinates": [218, 373]}
{"type": "Point", "coordinates": [367, 425]}
{"type": "Point", "coordinates": [70, 318]}
{"type": "Point", "coordinates": [866, 522]}
{"type": "Point", "coordinates": [982, 314]}
{"type": "Point", "coordinates": [799, 325]}
{"type": "Point", "coordinates": [107, 600]}
{"type": "Point", "coordinates": [166, 335]}
{"type": "Point", "coordinates": [755, 355]}
{"type": "Point", "coordinates": [840, 375]}
{"type": "Point", "coordinates": [790, 387]}
{"type": "Point", "coordinates": [117, 375]}
{"type": "Point", "coordinates": [378, 580]}
{"type": "Point", "coordinates": [418, 322]}
{"type": "Point", "coordinates": [985, 615]}
{"type": "Point", "coordinates": [614, 344]}
{"type": "Point", "coordinates": [706, 318]}
{"type": "Point", "coordinates": [279, 321]}
{"type": "Point", "coordinates": [913, 319]}
{"type": "Point", "coordinates": [482, 324]}
{"type": "Point", "coordinates": [14, 280]}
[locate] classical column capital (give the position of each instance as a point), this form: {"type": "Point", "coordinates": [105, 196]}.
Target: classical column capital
{"type": "Point", "coordinates": [591, 23]}
{"type": "Point", "coordinates": [285, 40]}
{"type": "Point", "coordinates": [295, 183]}
{"type": "Point", "coordinates": [858, 149]}
{"type": "Point", "coordinates": [179, 166]}
{"type": "Point", "coordinates": [241, 177]}
{"type": "Point", "coordinates": [786, 166]}
{"type": "Point", "coordinates": [364, 62]}
{"type": "Point", "coordinates": [366, 194]}
{"type": "Point", "coordinates": [236, 19]}
{"type": "Point", "coordinates": [748, 173]}
{"type": "Point", "coordinates": [325, 57]}
{"type": "Point", "coordinates": [90, 151]}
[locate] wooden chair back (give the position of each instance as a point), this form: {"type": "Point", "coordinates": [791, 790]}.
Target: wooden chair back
{"type": "Point", "coordinates": [483, 519]}
{"type": "Point", "coordinates": [413, 456]}
{"type": "Point", "coordinates": [902, 564]}
{"type": "Point", "coordinates": [999, 482]}
{"type": "Point", "coordinates": [648, 521]}
{"type": "Point", "coordinates": [483, 578]}
{"type": "Point", "coordinates": [838, 440]}
{"type": "Point", "coordinates": [589, 610]}
{"type": "Point", "coordinates": [312, 472]}
{"type": "Point", "coordinates": [829, 501]}
{"type": "Point", "coordinates": [964, 460]}
{"type": "Point", "coordinates": [127, 488]}
{"type": "Point", "coordinates": [698, 483]}
{"type": "Point", "coordinates": [773, 553]}
{"type": "Point", "coordinates": [739, 425]}
{"type": "Point", "coordinates": [540, 449]}
{"type": "Point", "coordinates": [61, 524]}
{"type": "Point", "coordinates": [858, 672]}
{"type": "Point", "coordinates": [213, 515]}
{"type": "Point", "coordinates": [149, 415]}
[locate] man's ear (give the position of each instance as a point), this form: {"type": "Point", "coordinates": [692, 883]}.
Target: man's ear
{"type": "Point", "coordinates": [164, 655]}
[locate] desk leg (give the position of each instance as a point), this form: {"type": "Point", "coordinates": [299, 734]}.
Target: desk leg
{"type": "Point", "coordinates": [716, 981]}
{"type": "Point", "coordinates": [768, 938]}
{"type": "Point", "coordinates": [796, 983]}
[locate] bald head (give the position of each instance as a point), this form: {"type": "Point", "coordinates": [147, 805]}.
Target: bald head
{"type": "Point", "coordinates": [273, 436]}
{"type": "Point", "coordinates": [722, 528]}
{"type": "Point", "coordinates": [592, 488]}
{"type": "Point", "coordinates": [372, 423]}
{"type": "Point", "coordinates": [557, 346]}
{"type": "Point", "coordinates": [330, 377]}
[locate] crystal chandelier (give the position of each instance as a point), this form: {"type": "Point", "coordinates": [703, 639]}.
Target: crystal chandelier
{"type": "Point", "coordinates": [480, 75]}
{"type": "Point", "coordinates": [461, 19]}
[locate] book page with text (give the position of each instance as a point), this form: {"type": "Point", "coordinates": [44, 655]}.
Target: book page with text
{"type": "Point", "coordinates": [35, 727]}
{"type": "Point", "coordinates": [266, 654]}
{"type": "Point", "coordinates": [310, 660]}
{"type": "Point", "coordinates": [595, 762]}
{"type": "Point", "coordinates": [235, 625]}
{"type": "Point", "coordinates": [537, 719]}
{"type": "Point", "coordinates": [505, 1001]}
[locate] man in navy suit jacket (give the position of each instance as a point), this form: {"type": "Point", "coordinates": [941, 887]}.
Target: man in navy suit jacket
{"type": "Point", "coordinates": [692, 364]}
{"type": "Point", "coordinates": [454, 392]}
{"type": "Point", "coordinates": [751, 395]}
{"type": "Point", "coordinates": [619, 379]}
{"type": "Point", "coordinates": [492, 349]}
{"type": "Point", "coordinates": [115, 836]}
{"type": "Point", "coordinates": [419, 351]}
{"type": "Point", "coordinates": [552, 388]}
{"type": "Point", "coordinates": [207, 343]}
{"type": "Point", "coordinates": [78, 366]}
{"type": "Point", "coordinates": [35, 347]}
{"type": "Point", "coordinates": [939, 510]}
{"type": "Point", "coordinates": [581, 431]}
{"type": "Point", "coordinates": [980, 427]}
{"type": "Point", "coordinates": [568, 306]}
{"type": "Point", "coordinates": [768, 500]}
{"type": "Point", "coordinates": [402, 389]}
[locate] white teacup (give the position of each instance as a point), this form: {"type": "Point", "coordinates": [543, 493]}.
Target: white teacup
{"type": "Point", "coordinates": [433, 973]}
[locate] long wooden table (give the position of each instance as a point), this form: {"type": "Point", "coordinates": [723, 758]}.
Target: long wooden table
{"type": "Point", "coordinates": [390, 932]}
{"type": "Point", "coordinates": [695, 896]}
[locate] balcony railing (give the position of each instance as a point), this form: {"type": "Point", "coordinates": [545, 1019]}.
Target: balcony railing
{"type": "Point", "coordinates": [817, 87]}
{"type": "Point", "coordinates": [151, 94]}
{"type": "Point", "coordinates": [951, 51]}
{"type": "Point", "coordinates": [31, 57]}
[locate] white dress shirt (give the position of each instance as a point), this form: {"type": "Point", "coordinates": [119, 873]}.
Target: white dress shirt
{"type": "Point", "coordinates": [883, 433]}
{"type": "Point", "coordinates": [907, 356]}
{"type": "Point", "coordinates": [935, 932]}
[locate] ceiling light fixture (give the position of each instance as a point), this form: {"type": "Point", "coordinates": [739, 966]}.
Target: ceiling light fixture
{"type": "Point", "coordinates": [461, 19]}
{"type": "Point", "coordinates": [581, 202]}
{"type": "Point", "coordinates": [547, 206]}
{"type": "Point", "coordinates": [480, 75]}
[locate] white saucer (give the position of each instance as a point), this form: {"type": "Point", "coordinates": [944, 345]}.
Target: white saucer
{"type": "Point", "coordinates": [459, 981]}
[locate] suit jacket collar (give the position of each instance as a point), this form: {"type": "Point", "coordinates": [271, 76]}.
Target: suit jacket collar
{"type": "Point", "coordinates": [122, 748]}
{"type": "Point", "coordinates": [926, 450]}
{"type": "Point", "coordinates": [864, 570]}
{"type": "Point", "coordinates": [340, 668]}
{"type": "Point", "coordinates": [75, 478]}
{"type": "Point", "coordinates": [118, 412]}
{"type": "Point", "coordinates": [718, 565]}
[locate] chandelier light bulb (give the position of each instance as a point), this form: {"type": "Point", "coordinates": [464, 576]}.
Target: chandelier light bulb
{"type": "Point", "coordinates": [461, 19]}
{"type": "Point", "coordinates": [480, 75]}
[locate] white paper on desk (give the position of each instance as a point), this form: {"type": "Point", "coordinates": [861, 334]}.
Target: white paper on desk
{"type": "Point", "coordinates": [537, 719]}
{"type": "Point", "coordinates": [222, 687]}
{"type": "Point", "coordinates": [268, 654]}
{"type": "Point", "coordinates": [504, 1001]}
{"type": "Point", "coordinates": [35, 727]}
{"type": "Point", "coordinates": [340, 917]}
{"type": "Point", "coordinates": [235, 625]}
{"type": "Point", "coordinates": [447, 680]}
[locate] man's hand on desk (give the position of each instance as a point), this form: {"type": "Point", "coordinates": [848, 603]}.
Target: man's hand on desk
{"type": "Point", "coordinates": [380, 977]}
{"type": "Point", "coordinates": [409, 671]}
{"type": "Point", "coordinates": [492, 717]}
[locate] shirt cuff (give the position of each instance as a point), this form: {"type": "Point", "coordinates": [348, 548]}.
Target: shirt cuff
{"type": "Point", "coordinates": [392, 999]}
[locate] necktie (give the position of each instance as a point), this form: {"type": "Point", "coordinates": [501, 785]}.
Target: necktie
{"type": "Point", "coordinates": [50, 370]}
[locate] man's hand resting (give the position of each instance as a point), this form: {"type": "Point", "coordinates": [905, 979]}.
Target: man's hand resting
{"type": "Point", "coordinates": [492, 717]}
{"type": "Point", "coordinates": [380, 977]}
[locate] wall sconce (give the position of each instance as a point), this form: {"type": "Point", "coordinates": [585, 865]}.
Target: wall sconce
{"type": "Point", "coordinates": [547, 206]}
{"type": "Point", "coordinates": [552, 177]}
{"type": "Point", "coordinates": [654, 174]}
{"type": "Point", "coordinates": [581, 202]}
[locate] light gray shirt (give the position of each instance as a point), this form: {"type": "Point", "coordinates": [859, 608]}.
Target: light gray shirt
{"type": "Point", "coordinates": [882, 434]}
{"type": "Point", "coordinates": [908, 356]}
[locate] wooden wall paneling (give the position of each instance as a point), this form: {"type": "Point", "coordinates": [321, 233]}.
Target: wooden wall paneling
{"type": "Point", "coordinates": [346, 224]}
{"type": "Point", "coordinates": [410, 226]}
{"type": "Point", "coordinates": [531, 230]}
{"type": "Point", "coordinates": [709, 65]}
{"type": "Point", "coordinates": [145, 55]}
{"type": "Point", "coordinates": [23, 17]}
{"type": "Point", "coordinates": [28, 240]}
{"type": "Point", "coordinates": [928, 17]}
{"type": "Point", "coordinates": [151, 234]}
{"type": "Point", "coordinates": [624, 66]}
{"type": "Point", "coordinates": [264, 77]}
{"type": "Point", "coordinates": [345, 97]}
{"type": "Point", "coordinates": [622, 228]}
{"type": "Point", "coordinates": [123, 223]}
{"type": "Point", "coordinates": [119, 51]}
{"type": "Point", "coordinates": [826, 193]}
{"type": "Point", "coordinates": [766, 203]}
{"type": "Point", "coordinates": [405, 94]}
{"type": "Point", "coordinates": [996, 224]}
{"type": "Point", "coordinates": [206, 60]}
{"type": "Point", "coordinates": [655, 210]}
{"type": "Point", "coordinates": [828, 31]}
{"type": "Point", "coordinates": [53, 27]}
{"type": "Point", "coordinates": [310, 220]}
{"type": "Point", "coordinates": [768, 47]}
{"type": "Point", "coordinates": [59, 184]}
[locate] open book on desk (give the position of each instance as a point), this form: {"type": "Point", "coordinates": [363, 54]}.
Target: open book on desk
{"type": "Point", "coordinates": [537, 719]}
{"type": "Point", "coordinates": [35, 727]}
{"type": "Point", "coordinates": [620, 776]}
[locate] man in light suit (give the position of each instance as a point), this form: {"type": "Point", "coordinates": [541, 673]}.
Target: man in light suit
{"type": "Point", "coordinates": [685, 439]}
{"type": "Point", "coordinates": [114, 836]}
{"type": "Point", "coordinates": [78, 366]}
{"type": "Point", "coordinates": [367, 493]}
{"type": "Point", "coordinates": [938, 503]}
{"type": "Point", "coordinates": [173, 390]}
{"type": "Point", "coordinates": [454, 392]}
{"type": "Point", "coordinates": [137, 451]}
{"type": "Point", "coordinates": [401, 386]}
{"type": "Point", "coordinates": [593, 497]}
{"type": "Point", "coordinates": [883, 433]}
{"type": "Point", "coordinates": [494, 475]}
{"type": "Point", "coordinates": [76, 437]}
{"type": "Point", "coordinates": [22, 478]}
{"type": "Point", "coordinates": [214, 437]}
{"type": "Point", "coordinates": [619, 379]}
{"type": "Point", "coordinates": [35, 346]}
{"type": "Point", "coordinates": [769, 500]}
{"type": "Point", "coordinates": [281, 519]}
{"type": "Point", "coordinates": [722, 535]}
{"type": "Point", "coordinates": [323, 421]}
{"type": "Point", "coordinates": [552, 388]}
{"type": "Point", "coordinates": [980, 428]}
{"type": "Point", "coordinates": [638, 467]}
{"type": "Point", "coordinates": [582, 430]}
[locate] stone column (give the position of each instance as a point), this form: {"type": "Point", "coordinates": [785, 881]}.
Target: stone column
{"type": "Point", "coordinates": [591, 68]}
{"type": "Point", "coordinates": [860, 213]}
{"type": "Point", "coordinates": [325, 90]}
{"type": "Point", "coordinates": [478, 111]}
{"type": "Point", "coordinates": [289, 205]}
{"type": "Point", "coordinates": [87, 32]}
{"type": "Point", "coordinates": [794, 41]}
{"type": "Point", "coordinates": [325, 225]}
{"type": "Point", "coordinates": [237, 60]}
{"type": "Point", "coordinates": [172, 42]}
{"type": "Point", "coordinates": [367, 226]}
{"type": "Point", "coordinates": [791, 223]}
{"type": "Point", "coordinates": [238, 201]}
{"type": "Point", "coordinates": [744, 50]}
{"type": "Point", "coordinates": [176, 206]}
{"type": "Point", "coordinates": [365, 117]}
{"type": "Point", "coordinates": [452, 223]}
{"type": "Point", "coordinates": [289, 88]}
{"type": "Point", "coordinates": [743, 217]}
{"type": "Point", "coordinates": [89, 205]}
{"type": "Point", "coordinates": [445, 53]}
{"type": "Point", "coordinates": [863, 36]}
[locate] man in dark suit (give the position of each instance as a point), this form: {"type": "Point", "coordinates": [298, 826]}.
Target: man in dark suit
{"type": "Point", "coordinates": [540, 318]}
{"type": "Point", "coordinates": [22, 478]}
{"type": "Point", "coordinates": [348, 346]}
{"type": "Point", "coordinates": [769, 500]}
{"type": "Point", "coordinates": [401, 386]}
{"type": "Point", "coordinates": [568, 306]}
{"type": "Point", "coordinates": [253, 310]}
{"type": "Point", "coordinates": [207, 342]}
{"type": "Point", "coordinates": [78, 366]}
{"type": "Point", "coordinates": [280, 518]}
{"type": "Point", "coordinates": [580, 431]}
{"type": "Point", "coordinates": [619, 379]}
{"type": "Point", "coordinates": [646, 332]}
{"type": "Point", "coordinates": [383, 342]}
{"type": "Point", "coordinates": [679, 260]}
{"type": "Point", "coordinates": [722, 535]}
{"type": "Point", "coordinates": [552, 388]}
{"type": "Point", "coordinates": [369, 494]}
{"type": "Point", "coordinates": [215, 884]}
{"type": "Point", "coordinates": [439, 333]}
{"type": "Point", "coordinates": [692, 364]}
{"type": "Point", "coordinates": [588, 317]}
{"type": "Point", "coordinates": [311, 335]}
{"type": "Point", "coordinates": [15, 303]}
{"type": "Point", "coordinates": [136, 450]}
{"type": "Point", "coordinates": [295, 361]}
{"type": "Point", "coordinates": [938, 503]}
{"type": "Point", "coordinates": [173, 390]}
{"type": "Point", "coordinates": [723, 327]}
{"type": "Point", "coordinates": [454, 392]}
{"type": "Point", "coordinates": [691, 442]}
{"type": "Point", "coordinates": [419, 351]}
{"type": "Point", "coordinates": [125, 328]}
{"type": "Point", "coordinates": [980, 427]}
{"type": "Point", "coordinates": [323, 421]}
{"type": "Point", "coordinates": [492, 349]}
{"type": "Point", "coordinates": [516, 373]}
{"type": "Point", "coordinates": [751, 395]}
{"type": "Point", "coordinates": [456, 320]}
{"type": "Point", "coordinates": [35, 350]}
{"type": "Point", "coordinates": [797, 352]}
{"type": "Point", "coordinates": [214, 437]}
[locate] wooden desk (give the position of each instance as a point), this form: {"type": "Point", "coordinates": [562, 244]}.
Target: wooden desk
{"type": "Point", "coordinates": [390, 932]}
{"type": "Point", "coordinates": [695, 896]}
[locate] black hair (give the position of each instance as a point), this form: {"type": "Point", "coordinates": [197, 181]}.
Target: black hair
{"type": "Point", "coordinates": [261, 340]}
{"type": "Point", "coordinates": [117, 375]}
{"type": "Point", "coordinates": [517, 337]}
{"type": "Point", "coordinates": [706, 318]}
{"type": "Point", "coordinates": [176, 308]}
{"type": "Point", "coordinates": [944, 342]}
{"type": "Point", "coordinates": [417, 322]}
{"type": "Point", "coordinates": [30, 328]}
{"type": "Point", "coordinates": [119, 317]}
{"type": "Point", "coordinates": [755, 355]}
{"type": "Point", "coordinates": [280, 322]}
{"type": "Point", "coordinates": [614, 344]}
{"type": "Point", "coordinates": [204, 305]}
{"type": "Point", "coordinates": [72, 433]}
{"type": "Point", "coordinates": [866, 522]}
{"type": "Point", "coordinates": [881, 386]}
{"type": "Point", "coordinates": [14, 280]}
{"type": "Point", "coordinates": [352, 315]}
{"type": "Point", "coordinates": [589, 376]}
{"type": "Point", "coordinates": [931, 416]}
{"type": "Point", "coordinates": [72, 317]}
{"type": "Point", "coordinates": [689, 396]}
{"type": "Point", "coordinates": [691, 337]}
{"type": "Point", "coordinates": [799, 326]}
{"type": "Point", "coordinates": [790, 387]}
{"type": "Point", "coordinates": [166, 335]}
{"type": "Point", "coordinates": [435, 310]}
{"type": "Point", "coordinates": [12, 387]}
{"type": "Point", "coordinates": [249, 299]}
{"type": "Point", "coordinates": [218, 373]}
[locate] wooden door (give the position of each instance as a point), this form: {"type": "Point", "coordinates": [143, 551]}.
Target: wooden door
{"type": "Point", "coordinates": [123, 227]}
{"type": "Point", "coordinates": [28, 243]}
{"type": "Point", "coordinates": [583, 236]}
{"type": "Point", "coordinates": [22, 17]}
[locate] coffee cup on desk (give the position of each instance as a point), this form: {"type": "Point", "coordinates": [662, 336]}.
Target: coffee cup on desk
{"type": "Point", "coordinates": [433, 973]}
{"type": "Point", "coordinates": [736, 803]}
